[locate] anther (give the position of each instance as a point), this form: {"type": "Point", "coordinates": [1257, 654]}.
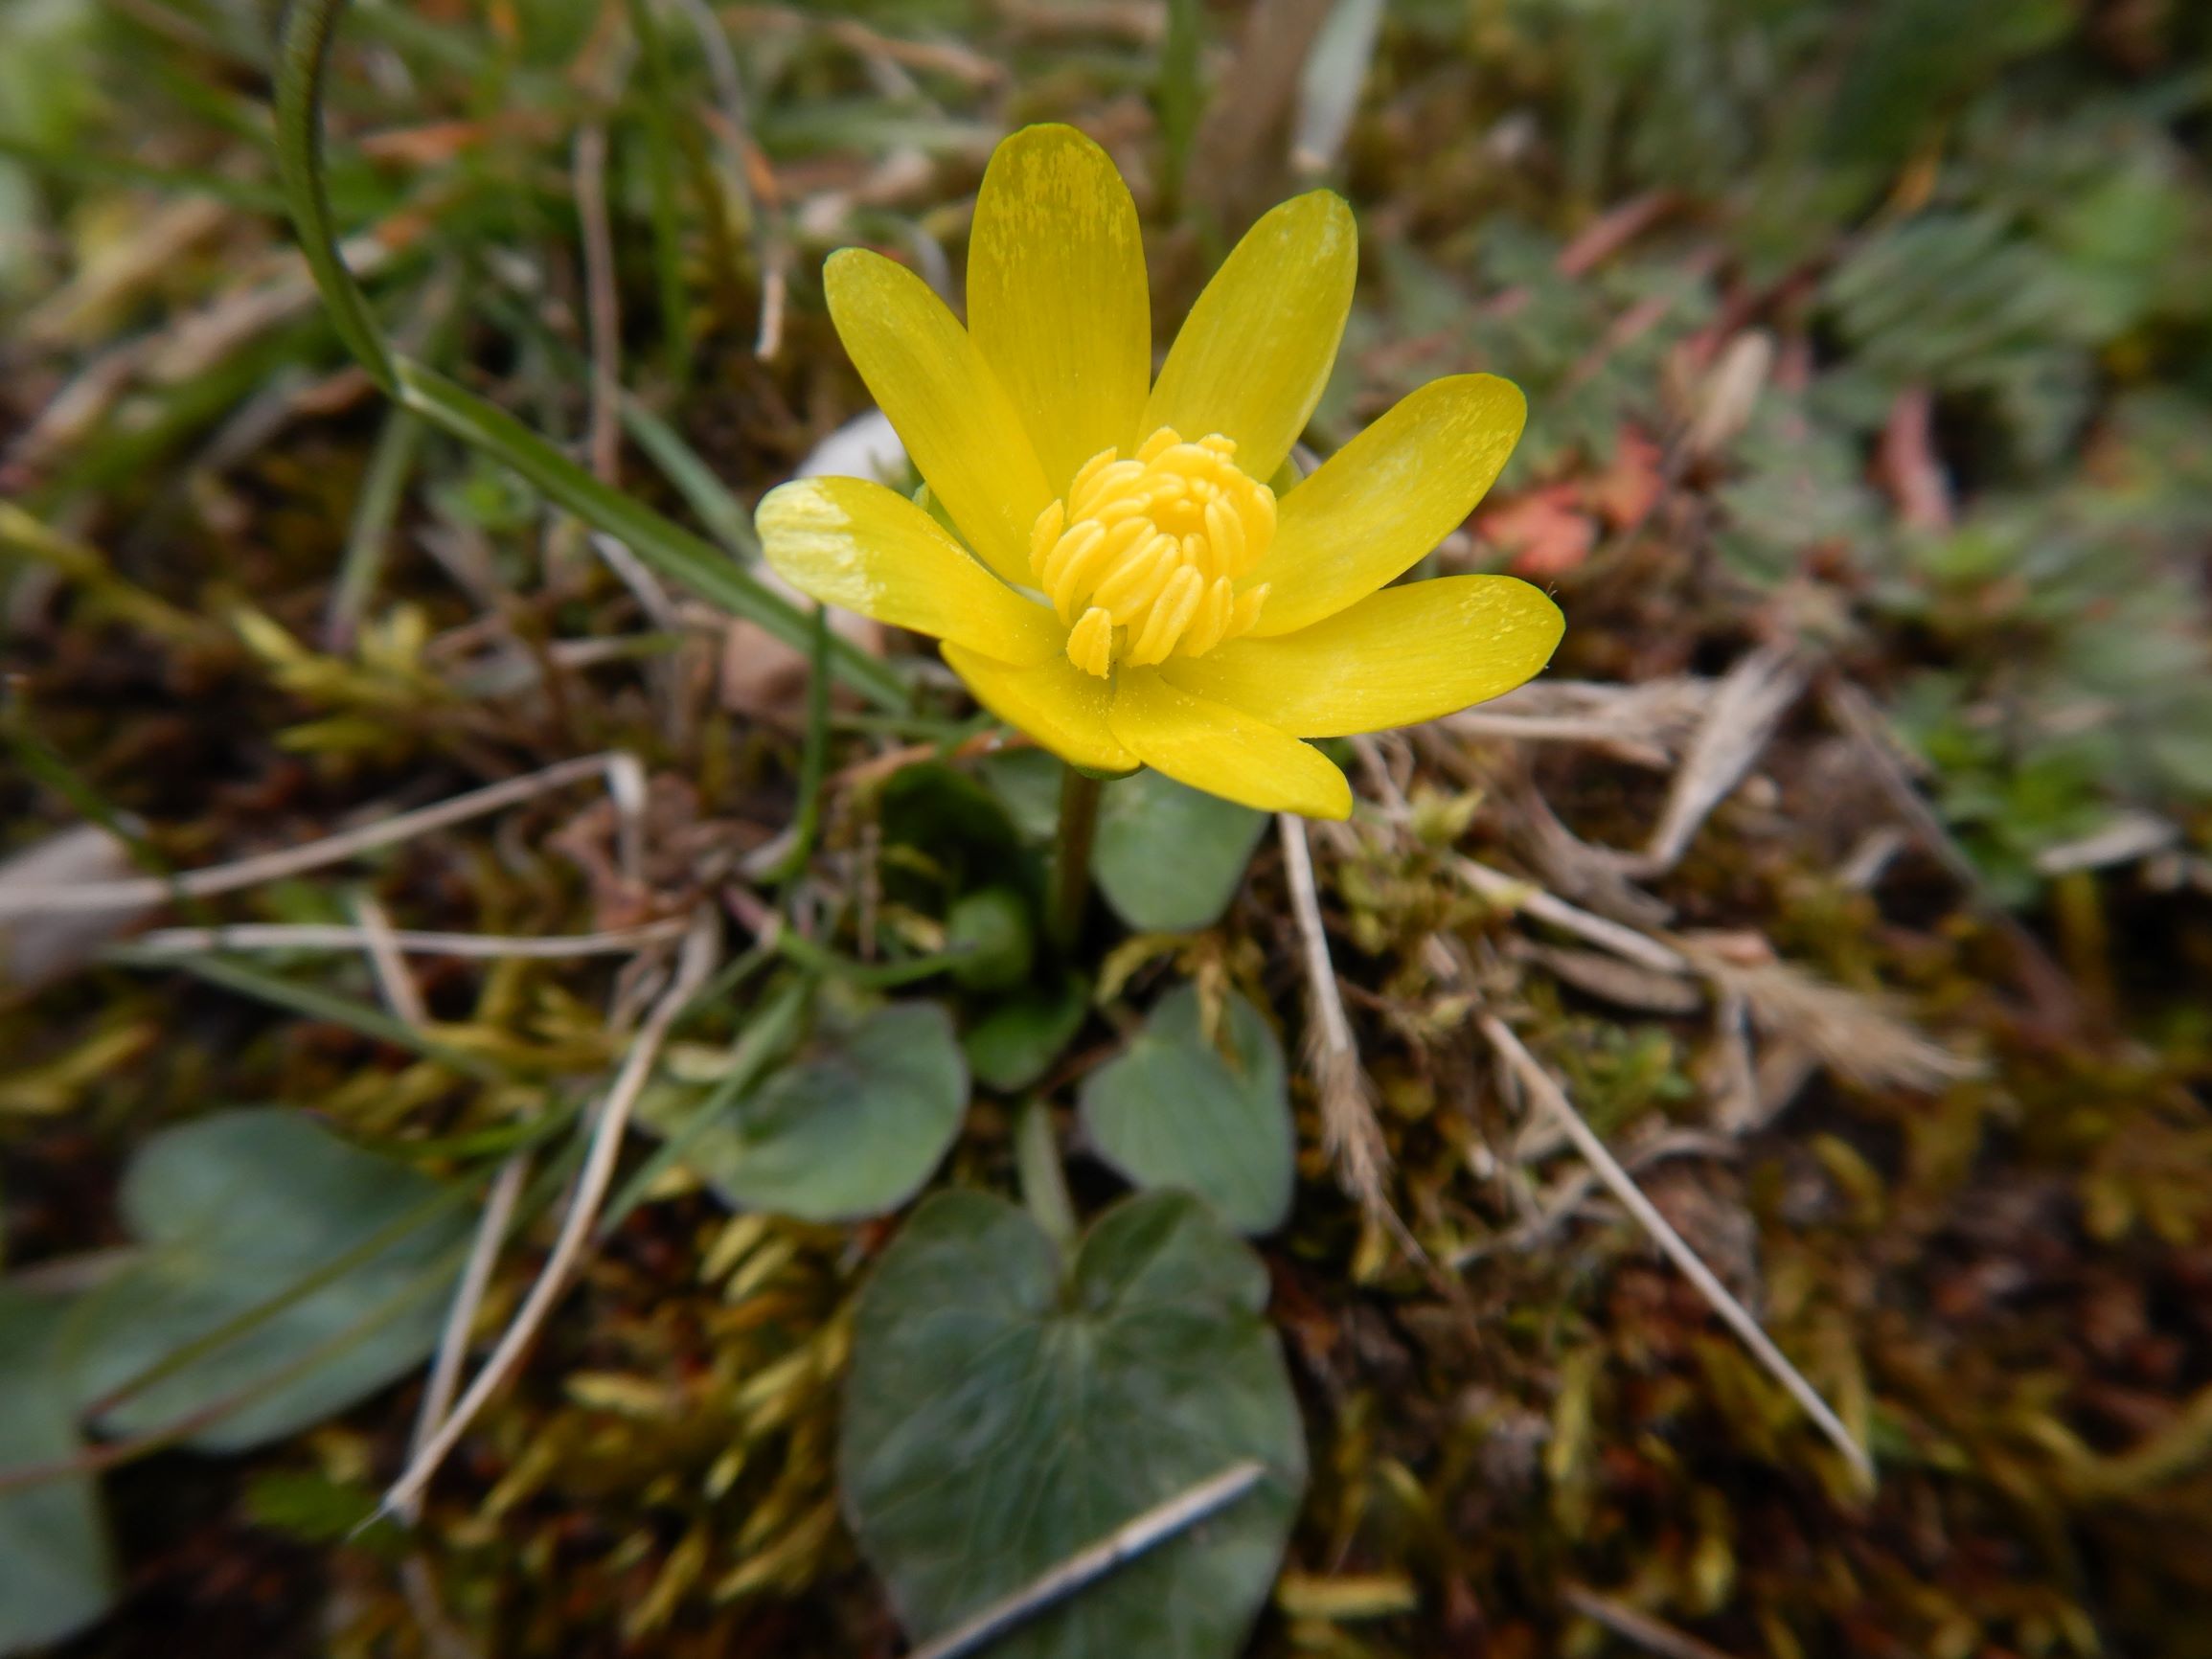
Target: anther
{"type": "Point", "coordinates": [1143, 555]}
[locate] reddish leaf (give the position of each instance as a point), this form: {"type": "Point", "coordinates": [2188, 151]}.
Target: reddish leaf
{"type": "Point", "coordinates": [1542, 530]}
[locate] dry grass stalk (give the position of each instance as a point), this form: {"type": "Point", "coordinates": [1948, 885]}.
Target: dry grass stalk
{"type": "Point", "coordinates": [1349, 1130]}
{"type": "Point", "coordinates": [603, 305]}
{"type": "Point", "coordinates": [461, 1316]}
{"type": "Point", "coordinates": [1546, 1093]}
{"type": "Point", "coordinates": [1624, 984]}
{"type": "Point", "coordinates": [1858, 1037]}
{"type": "Point", "coordinates": [1247, 130]}
{"type": "Point", "coordinates": [1738, 1105]}
{"type": "Point", "coordinates": [331, 936]}
{"type": "Point", "coordinates": [1599, 879]}
{"type": "Point", "coordinates": [1744, 711]}
{"type": "Point", "coordinates": [745, 171]}
{"type": "Point", "coordinates": [394, 982]}
{"type": "Point", "coordinates": [695, 962]}
{"type": "Point", "coordinates": [77, 898]}
{"type": "Point", "coordinates": [1564, 1199]}
{"type": "Point", "coordinates": [1854, 711]}
{"type": "Point", "coordinates": [2129, 836]}
{"type": "Point", "coordinates": [1154, 1527]}
{"type": "Point", "coordinates": [1632, 1624]}
{"type": "Point", "coordinates": [1532, 900]}
{"type": "Point", "coordinates": [1647, 724]}
{"type": "Point", "coordinates": [40, 948]}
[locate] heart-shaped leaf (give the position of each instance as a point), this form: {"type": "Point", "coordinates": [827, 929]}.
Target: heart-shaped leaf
{"type": "Point", "coordinates": [852, 1132]}
{"type": "Point", "coordinates": [1169, 857]}
{"type": "Point", "coordinates": [236, 1211]}
{"type": "Point", "coordinates": [1175, 1109]}
{"type": "Point", "coordinates": [1010, 1046]}
{"type": "Point", "coordinates": [1005, 1410]}
{"type": "Point", "coordinates": [54, 1572]}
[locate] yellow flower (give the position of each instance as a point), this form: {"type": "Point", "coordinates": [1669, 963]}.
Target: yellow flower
{"type": "Point", "coordinates": [1132, 589]}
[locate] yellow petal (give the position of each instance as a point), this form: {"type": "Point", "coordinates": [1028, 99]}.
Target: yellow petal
{"type": "Point", "coordinates": [1055, 702]}
{"type": "Point", "coordinates": [1387, 497]}
{"type": "Point", "coordinates": [1253, 360]}
{"type": "Point", "coordinates": [1401, 656]}
{"type": "Point", "coordinates": [1224, 751]}
{"type": "Point", "coordinates": [848, 542]}
{"type": "Point", "coordinates": [942, 399]}
{"type": "Point", "coordinates": [1056, 295]}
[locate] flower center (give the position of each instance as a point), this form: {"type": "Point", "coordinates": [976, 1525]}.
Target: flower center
{"type": "Point", "coordinates": [1141, 557]}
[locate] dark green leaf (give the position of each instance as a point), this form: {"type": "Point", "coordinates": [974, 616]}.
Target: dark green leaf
{"type": "Point", "coordinates": [235, 1211]}
{"type": "Point", "coordinates": [54, 1572]}
{"type": "Point", "coordinates": [1004, 1412]}
{"type": "Point", "coordinates": [1174, 1111]}
{"type": "Point", "coordinates": [992, 928]}
{"type": "Point", "coordinates": [1169, 857]}
{"type": "Point", "coordinates": [1009, 1047]}
{"type": "Point", "coordinates": [852, 1133]}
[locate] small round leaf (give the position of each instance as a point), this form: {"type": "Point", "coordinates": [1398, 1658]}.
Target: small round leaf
{"type": "Point", "coordinates": [1012, 1046]}
{"type": "Point", "coordinates": [1176, 1110]}
{"type": "Point", "coordinates": [990, 926]}
{"type": "Point", "coordinates": [1169, 857]}
{"type": "Point", "coordinates": [850, 1133]}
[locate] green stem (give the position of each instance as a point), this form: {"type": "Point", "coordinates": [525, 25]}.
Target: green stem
{"type": "Point", "coordinates": [1079, 796]}
{"type": "Point", "coordinates": [813, 757]}
{"type": "Point", "coordinates": [1043, 1182]}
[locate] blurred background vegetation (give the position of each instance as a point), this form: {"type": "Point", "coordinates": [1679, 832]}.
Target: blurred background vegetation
{"type": "Point", "coordinates": [1876, 332]}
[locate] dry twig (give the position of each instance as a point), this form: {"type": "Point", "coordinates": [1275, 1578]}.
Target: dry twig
{"type": "Point", "coordinates": [1085, 1567]}
{"type": "Point", "coordinates": [483, 946]}
{"type": "Point", "coordinates": [589, 1194]}
{"type": "Point", "coordinates": [1529, 899]}
{"type": "Point", "coordinates": [1547, 1093]}
{"type": "Point", "coordinates": [1349, 1130]}
{"type": "Point", "coordinates": [1744, 712]}
{"type": "Point", "coordinates": [1855, 1036]}
{"type": "Point", "coordinates": [1632, 1624]}
{"type": "Point", "coordinates": [82, 897]}
{"type": "Point", "coordinates": [461, 1316]}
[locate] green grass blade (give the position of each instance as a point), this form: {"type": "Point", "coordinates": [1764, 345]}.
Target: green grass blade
{"type": "Point", "coordinates": [311, 1003]}
{"type": "Point", "coordinates": [668, 547]}
{"type": "Point", "coordinates": [307, 46]}
{"type": "Point", "coordinates": [671, 550]}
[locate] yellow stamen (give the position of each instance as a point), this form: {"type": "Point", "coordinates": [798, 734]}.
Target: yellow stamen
{"type": "Point", "coordinates": [1143, 556]}
{"type": "Point", "coordinates": [1090, 643]}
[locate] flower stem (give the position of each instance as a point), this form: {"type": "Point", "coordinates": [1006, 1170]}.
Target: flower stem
{"type": "Point", "coordinates": [1079, 796]}
{"type": "Point", "coordinates": [1043, 1182]}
